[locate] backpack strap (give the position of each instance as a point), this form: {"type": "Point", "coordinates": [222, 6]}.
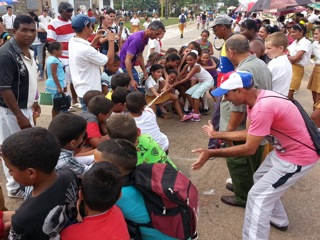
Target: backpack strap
{"type": "Point", "coordinates": [286, 98]}
{"type": "Point", "coordinates": [134, 230]}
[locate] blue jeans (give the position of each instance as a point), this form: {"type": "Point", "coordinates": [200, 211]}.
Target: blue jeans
{"type": "Point", "coordinates": [38, 49]}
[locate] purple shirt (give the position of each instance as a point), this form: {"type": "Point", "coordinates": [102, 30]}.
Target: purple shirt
{"type": "Point", "coordinates": [134, 46]}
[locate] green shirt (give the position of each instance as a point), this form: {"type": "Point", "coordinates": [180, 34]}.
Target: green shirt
{"type": "Point", "coordinates": [149, 151]}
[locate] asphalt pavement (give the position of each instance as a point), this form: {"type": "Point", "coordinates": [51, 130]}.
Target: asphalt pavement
{"type": "Point", "coordinates": [217, 220]}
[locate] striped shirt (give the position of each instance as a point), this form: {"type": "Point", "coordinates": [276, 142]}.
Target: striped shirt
{"type": "Point", "coordinates": [60, 31]}
{"type": "Point", "coordinates": [67, 160]}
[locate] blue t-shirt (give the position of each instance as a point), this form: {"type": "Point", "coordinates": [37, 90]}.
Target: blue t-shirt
{"type": "Point", "coordinates": [51, 86]}
{"type": "Point", "coordinates": [133, 208]}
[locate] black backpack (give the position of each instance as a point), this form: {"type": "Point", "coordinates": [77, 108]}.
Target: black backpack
{"type": "Point", "coordinates": [312, 128]}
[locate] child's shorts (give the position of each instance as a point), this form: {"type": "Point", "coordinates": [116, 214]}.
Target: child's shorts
{"type": "Point", "coordinates": [199, 89]}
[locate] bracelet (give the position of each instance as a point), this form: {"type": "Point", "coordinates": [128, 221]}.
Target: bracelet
{"type": "Point", "coordinates": [35, 101]}
{"type": "Point", "coordinates": [111, 41]}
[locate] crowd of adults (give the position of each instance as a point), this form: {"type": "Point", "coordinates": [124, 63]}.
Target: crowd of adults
{"type": "Point", "coordinates": [261, 65]}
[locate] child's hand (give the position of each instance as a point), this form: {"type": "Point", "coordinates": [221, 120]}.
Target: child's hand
{"type": "Point", "coordinates": [158, 94]}
{"type": "Point", "coordinates": [60, 90]}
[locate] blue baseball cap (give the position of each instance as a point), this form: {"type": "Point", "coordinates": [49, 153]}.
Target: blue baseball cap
{"type": "Point", "coordinates": [80, 21]}
{"type": "Point", "coordinates": [231, 81]}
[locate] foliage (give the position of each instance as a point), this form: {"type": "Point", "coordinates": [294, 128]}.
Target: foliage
{"type": "Point", "coordinates": [141, 5]}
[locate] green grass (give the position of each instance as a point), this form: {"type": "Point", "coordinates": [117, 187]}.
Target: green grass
{"type": "Point", "coordinates": [166, 22]}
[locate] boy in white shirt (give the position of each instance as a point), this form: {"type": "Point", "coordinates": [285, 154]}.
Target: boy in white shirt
{"type": "Point", "coordinates": [145, 118]}
{"type": "Point", "coordinates": [280, 67]}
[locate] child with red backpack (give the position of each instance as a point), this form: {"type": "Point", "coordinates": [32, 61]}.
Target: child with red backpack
{"type": "Point", "coordinates": [148, 212]}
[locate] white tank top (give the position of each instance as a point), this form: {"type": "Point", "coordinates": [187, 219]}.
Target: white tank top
{"type": "Point", "coordinates": [203, 75]}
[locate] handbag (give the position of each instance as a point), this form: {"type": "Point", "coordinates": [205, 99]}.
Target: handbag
{"type": "Point", "coordinates": [61, 102]}
{"type": "Point", "coordinates": [42, 37]}
{"type": "Point", "coordinates": [45, 98]}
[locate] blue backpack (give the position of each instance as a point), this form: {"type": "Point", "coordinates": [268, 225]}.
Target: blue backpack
{"type": "Point", "coordinates": [183, 18]}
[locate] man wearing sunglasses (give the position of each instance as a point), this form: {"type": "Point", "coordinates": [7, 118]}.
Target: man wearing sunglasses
{"type": "Point", "coordinates": [60, 30]}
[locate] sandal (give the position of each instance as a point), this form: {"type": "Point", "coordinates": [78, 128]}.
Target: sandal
{"type": "Point", "coordinates": [186, 118]}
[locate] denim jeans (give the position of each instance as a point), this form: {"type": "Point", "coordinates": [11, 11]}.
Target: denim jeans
{"type": "Point", "coordinates": [38, 53]}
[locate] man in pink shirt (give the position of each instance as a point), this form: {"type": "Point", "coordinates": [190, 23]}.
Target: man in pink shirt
{"type": "Point", "coordinates": [269, 117]}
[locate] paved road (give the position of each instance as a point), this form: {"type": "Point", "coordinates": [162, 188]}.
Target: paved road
{"type": "Point", "coordinates": [217, 220]}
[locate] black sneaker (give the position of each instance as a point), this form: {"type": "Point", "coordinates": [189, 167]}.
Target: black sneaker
{"type": "Point", "coordinates": [181, 36]}
{"type": "Point", "coordinates": [283, 229]}
{"type": "Point", "coordinates": [204, 111]}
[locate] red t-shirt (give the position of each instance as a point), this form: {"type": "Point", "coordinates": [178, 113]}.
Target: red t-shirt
{"type": "Point", "coordinates": [107, 225]}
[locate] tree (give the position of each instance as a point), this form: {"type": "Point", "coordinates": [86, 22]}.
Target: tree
{"type": "Point", "coordinates": [141, 5]}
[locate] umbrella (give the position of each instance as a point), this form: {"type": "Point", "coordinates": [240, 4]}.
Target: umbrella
{"type": "Point", "coordinates": [249, 6]}
{"type": "Point", "coordinates": [244, 7]}
{"type": "Point", "coordinates": [240, 8]}
{"type": "Point", "coordinates": [3, 4]}
{"type": "Point", "coordinates": [315, 5]}
{"type": "Point", "coordinates": [261, 5]}
{"type": "Point", "coordinates": [231, 8]}
{"type": "Point", "coordinates": [285, 11]}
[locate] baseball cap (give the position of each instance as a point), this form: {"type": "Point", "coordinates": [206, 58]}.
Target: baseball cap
{"type": "Point", "coordinates": [80, 21]}
{"type": "Point", "coordinates": [231, 81]}
{"type": "Point", "coordinates": [222, 20]}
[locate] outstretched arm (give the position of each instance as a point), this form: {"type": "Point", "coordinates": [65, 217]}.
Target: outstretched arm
{"type": "Point", "coordinates": [249, 148]}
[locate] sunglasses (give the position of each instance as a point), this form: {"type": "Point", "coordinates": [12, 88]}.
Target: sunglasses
{"type": "Point", "coordinates": [70, 10]}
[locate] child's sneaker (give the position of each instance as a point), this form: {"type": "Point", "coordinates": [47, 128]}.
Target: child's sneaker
{"type": "Point", "coordinates": [186, 118]}
{"type": "Point", "coordinates": [17, 193]}
{"type": "Point", "coordinates": [204, 111]}
{"type": "Point", "coordinates": [196, 117]}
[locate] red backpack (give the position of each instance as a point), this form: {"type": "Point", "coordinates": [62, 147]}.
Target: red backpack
{"type": "Point", "coordinates": [171, 200]}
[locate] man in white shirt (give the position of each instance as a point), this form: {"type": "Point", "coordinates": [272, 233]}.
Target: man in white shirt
{"type": "Point", "coordinates": [44, 18]}
{"type": "Point", "coordinates": [84, 60]}
{"type": "Point", "coordinates": [8, 19]}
